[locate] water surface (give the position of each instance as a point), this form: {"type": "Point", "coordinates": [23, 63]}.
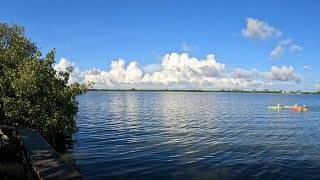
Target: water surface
{"type": "Point", "coordinates": [145, 135]}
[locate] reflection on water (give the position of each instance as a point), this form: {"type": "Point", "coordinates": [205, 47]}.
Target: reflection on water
{"type": "Point", "coordinates": [143, 135]}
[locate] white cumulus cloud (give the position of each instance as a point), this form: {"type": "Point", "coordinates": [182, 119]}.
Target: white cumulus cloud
{"type": "Point", "coordinates": [133, 73]}
{"type": "Point", "coordinates": [283, 73]}
{"type": "Point", "coordinates": [244, 74]}
{"type": "Point", "coordinates": [280, 48]}
{"type": "Point", "coordinates": [276, 52]}
{"type": "Point", "coordinates": [118, 74]}
{"type": "Point", "coordinates": [62, 67]}
{"type": "Point", "coordinates": [259, 30]}
{"type": "Point", "coordinates": [152, 68]}
{"type": "Point", "coordinates": [181, 68]}
{"type": "Point", "coordinates": [178, 71]}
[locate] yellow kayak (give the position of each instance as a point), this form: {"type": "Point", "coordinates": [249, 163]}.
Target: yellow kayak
{"type": "Point", "coordinates": [300, 109]}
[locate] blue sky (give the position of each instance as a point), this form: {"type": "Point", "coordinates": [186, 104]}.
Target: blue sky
{"type": "Point", "coordinates": [92, 34]}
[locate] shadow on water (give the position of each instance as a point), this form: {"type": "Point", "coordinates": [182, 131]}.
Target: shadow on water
{"type": "Point", "coordinates": [63, 146]}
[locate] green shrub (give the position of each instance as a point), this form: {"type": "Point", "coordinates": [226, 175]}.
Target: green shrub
{"type": "Point", "coordinates": [32, 93]}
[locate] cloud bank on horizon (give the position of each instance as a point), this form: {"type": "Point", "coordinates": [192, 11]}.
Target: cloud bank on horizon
{"type": "Point", "coordinates": [179, 71]}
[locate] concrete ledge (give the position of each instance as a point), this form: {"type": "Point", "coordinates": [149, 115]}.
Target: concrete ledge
{"type": "Point", "coordinates": [46, 162]}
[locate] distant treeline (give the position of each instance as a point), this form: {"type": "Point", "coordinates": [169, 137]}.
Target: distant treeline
{"type": "Point", "coordinates": [221, 90]}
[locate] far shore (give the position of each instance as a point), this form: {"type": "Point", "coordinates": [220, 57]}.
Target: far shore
{"type": "Point", "coordinates": [222, 90]}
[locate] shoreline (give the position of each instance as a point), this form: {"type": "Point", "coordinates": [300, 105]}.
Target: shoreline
{"type": "Point", "coordinates": [190, 90]}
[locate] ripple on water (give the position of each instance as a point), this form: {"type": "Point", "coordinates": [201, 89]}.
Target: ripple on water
{"type": "Point", "coordinates": [144, 135]}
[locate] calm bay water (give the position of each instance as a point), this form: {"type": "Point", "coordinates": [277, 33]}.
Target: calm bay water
{"type": "Point", "coordinates": [146, 135]}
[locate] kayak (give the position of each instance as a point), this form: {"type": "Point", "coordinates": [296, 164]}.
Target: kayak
{"type": "Point", "coordinates": [300, 109]}
{"type": "Point", "coordinates": [275, 107]}
{"type": "Point", "coordinates": [289, 107]}
{"type": "Point", "coordinates": [295, 108]}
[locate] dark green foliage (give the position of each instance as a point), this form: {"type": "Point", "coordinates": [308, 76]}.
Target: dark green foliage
{"type": "Point", "coordinates": [32, 93]}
